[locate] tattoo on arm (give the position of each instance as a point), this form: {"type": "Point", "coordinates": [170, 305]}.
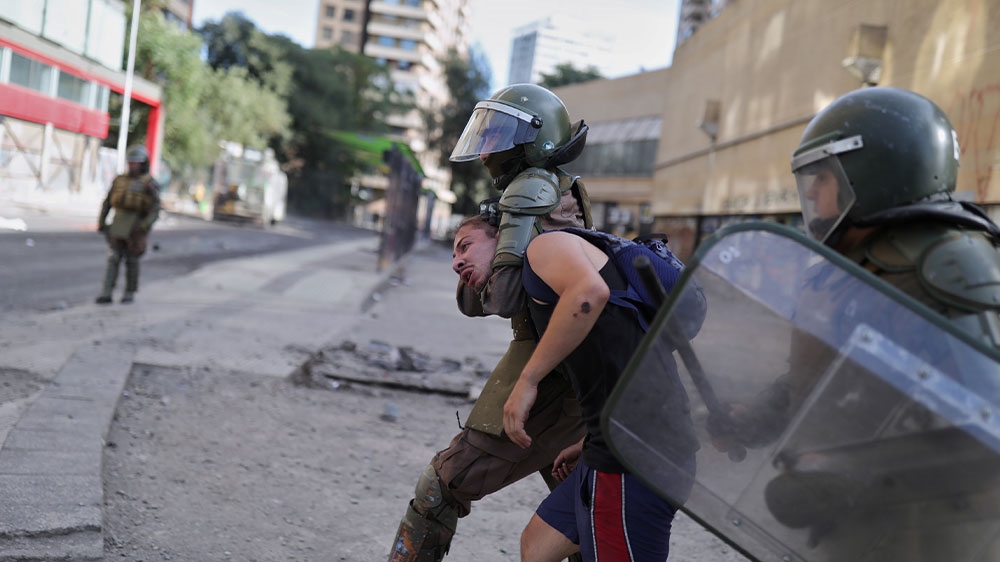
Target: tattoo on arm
{"type": "Point", "coordinates": [585, 307]}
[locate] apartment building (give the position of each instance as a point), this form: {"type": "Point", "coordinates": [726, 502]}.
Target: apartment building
{"type": "Point", "coordinates": [410, 37]}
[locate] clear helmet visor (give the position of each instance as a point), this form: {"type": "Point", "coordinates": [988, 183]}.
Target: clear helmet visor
{"type": "Point", "coordinates": [494, 127]}
{"type": "Point", "coordinates": [825, 193]}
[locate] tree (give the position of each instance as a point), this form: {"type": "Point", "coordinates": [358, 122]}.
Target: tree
{"type": "Point", "coordinates": [565, 74]}
{"type": "Point", "coordinates": [202, 106]}
{"type": "Point", "coordinates": [467, 79]}
{"type": "Point", "coordinates": [235, 41]}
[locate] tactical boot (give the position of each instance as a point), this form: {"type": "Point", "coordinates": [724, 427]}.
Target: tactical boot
{"type": "Point", "coordinates": [103, 299]}
{"type": "Point", "coordinates": [128, 297]}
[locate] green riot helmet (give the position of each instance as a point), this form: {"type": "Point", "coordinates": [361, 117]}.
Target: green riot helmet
{"type": "Point", "coordinates": [137, 153]}
{"type": "Point", "coordinates": [870, 151]}
{"type": "Point", "coordinates": [526, 116]}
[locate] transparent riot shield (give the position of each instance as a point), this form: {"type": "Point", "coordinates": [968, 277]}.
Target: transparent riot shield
{"type": "Point", "coordinates": [870, 426]}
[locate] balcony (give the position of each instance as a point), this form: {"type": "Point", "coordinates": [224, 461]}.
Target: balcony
{"type": "Point", "coordinates": [397, 10]}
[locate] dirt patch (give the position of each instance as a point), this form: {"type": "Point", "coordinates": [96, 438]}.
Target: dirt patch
{"type": "Point", "coordinates": [205, 466]}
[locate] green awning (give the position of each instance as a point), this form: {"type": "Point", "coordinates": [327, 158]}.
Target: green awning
{"type": "Point", "coordinates": [371, 148]}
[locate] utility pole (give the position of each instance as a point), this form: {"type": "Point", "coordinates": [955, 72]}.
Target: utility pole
{"type": "Point", "coordinates": [126, 103]}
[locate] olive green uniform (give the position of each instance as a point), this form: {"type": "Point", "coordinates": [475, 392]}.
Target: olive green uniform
{"type": "Point", "coordinates": [136, 204]}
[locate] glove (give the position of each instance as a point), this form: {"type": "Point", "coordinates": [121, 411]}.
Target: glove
{"type": "Point", "coordinates": [102, 228]}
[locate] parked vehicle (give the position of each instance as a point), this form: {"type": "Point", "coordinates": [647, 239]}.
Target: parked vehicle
{"type": "Point", "coordinates": [248, 186]}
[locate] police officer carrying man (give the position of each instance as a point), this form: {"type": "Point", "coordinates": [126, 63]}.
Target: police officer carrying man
{"type": "Point", "coordinates": [135, 197]}
{"type": "Point", "coordinates": [522, 133]}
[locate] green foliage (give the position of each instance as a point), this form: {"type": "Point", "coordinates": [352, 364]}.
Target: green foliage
{"type": "Point", "coordinates": [566, 74]}
{"type": "Point", "coordinates": [202, 106]}
{"type": "Point", "coordinates": [236, 42]}
{"type": "Point", "coordinates": [467, 79]}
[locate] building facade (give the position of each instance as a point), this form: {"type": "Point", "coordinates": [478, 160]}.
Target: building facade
{"type": "Point", "coordinates": [60, 60]}
{"type": "Point", "coordinates": [410, 37]}
{"type": "Point", "coordinates": [733, 105]}
{"type": "Point", "coordinates": [538, 47]}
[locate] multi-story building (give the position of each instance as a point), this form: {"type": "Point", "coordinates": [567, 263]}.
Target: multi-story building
{"type": "Point", "coordinates": [686, 149]}
{"type": "Point", "coordinates": [538, 47]}
{"type": "Point", "coordinates": [341, 22]}
{"type": "Point", "coordinates": [60, 60]}
{"type": "Point", "coordinates": [410, 37]}
{"type": "Point", "coordinates": [178, 12]}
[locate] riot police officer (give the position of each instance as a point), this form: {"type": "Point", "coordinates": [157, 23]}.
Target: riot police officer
{"type": "Point", "coordinates": [522, 134]}
{"type": "Point", "coordinates": [876, 171]}
{"type": "Point", "coordinates": [135, 198]}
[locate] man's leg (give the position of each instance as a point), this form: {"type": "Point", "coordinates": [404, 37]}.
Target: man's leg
{"type": "Point", "coordinates": [542, 543]}
{"type": "Point", "coordinates": [425, 532]}
{"type": "Point", "coordinates": [473, 466]}
{"type": "Point", "coordinates": [131, 278]}
{"type": "Point", "coordinates": [110, 276]}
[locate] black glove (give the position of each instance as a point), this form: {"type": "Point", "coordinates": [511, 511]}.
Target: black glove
{"type": "Point", "coordinates": [102, 228]}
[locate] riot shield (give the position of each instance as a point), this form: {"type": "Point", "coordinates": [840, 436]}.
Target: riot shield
{"type": "Point", "coordinates": [871, 425]}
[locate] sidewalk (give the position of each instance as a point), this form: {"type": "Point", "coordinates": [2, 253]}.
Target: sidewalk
{"type": "Point", "coordinates": [263, 315]}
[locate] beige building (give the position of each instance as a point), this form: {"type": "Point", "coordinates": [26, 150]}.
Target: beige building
{"type": "Point", "coordinates": [410, 37]}
{"type": "Point", "coordinates": [742, 88]}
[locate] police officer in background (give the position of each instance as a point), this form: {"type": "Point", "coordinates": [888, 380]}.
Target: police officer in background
{"type": "Point", "coordinates": [135, 197]}
{"type": "Point", "coordinates": [522, 134]}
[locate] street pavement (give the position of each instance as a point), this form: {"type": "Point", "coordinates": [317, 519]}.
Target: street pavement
{"type": "Point", "coordinates": [63, 371]}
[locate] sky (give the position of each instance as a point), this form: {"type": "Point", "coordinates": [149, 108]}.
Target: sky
{"type": "Point", "coordinates": [643, 31]}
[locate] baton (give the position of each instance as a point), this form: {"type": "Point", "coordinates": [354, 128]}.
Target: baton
{"type": "Point", "coordinates": [658, 294]}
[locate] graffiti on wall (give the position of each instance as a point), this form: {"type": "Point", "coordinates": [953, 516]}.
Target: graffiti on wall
{"type": "Point", "coordinates": [976, 117]}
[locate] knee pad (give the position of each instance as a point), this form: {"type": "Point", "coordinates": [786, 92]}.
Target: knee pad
{"type": "Point", "coordinates": [429, 499]}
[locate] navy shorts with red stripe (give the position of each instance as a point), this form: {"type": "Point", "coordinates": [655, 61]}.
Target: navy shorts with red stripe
{"type": "Point", "coordinates": [613, 517]}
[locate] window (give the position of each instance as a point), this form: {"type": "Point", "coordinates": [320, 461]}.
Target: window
{"type": "Point", "coordinates": [73, 89]}
{"type": "Point", "coordinates": [386, 41]}
{"type": "Point", "coordinates": [101, 101]}
{"type": "Point", "coordinates": [347, 38]}
{"type": "Point", "coordinates": [30, 73]}
{"type": "Point", "coordinates": [331, 11]}
{"type": "Point", "coordinates": [327, 33]}
{"type": "Point", "coordinates": [408, 44]}
{"type": "Point", "coordinates": [414, 3]}
{"type": "Point", "coordinates": [348, 15]}
{"type": "Point", "coordinates": [404, 65]}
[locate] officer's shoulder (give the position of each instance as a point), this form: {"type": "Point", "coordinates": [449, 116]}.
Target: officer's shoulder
{"type": "Point", "coordinates": [899, 248]}
{"type": "Point", "coordinates": [533, 191]}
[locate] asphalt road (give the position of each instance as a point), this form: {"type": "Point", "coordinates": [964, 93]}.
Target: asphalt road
{"type": "Point", "coordinates": [49, 262]}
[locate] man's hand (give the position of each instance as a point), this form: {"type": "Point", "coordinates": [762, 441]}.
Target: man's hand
{"type": "Point", "coordinates": [102, 228]}
{"type": "Point", "coordinates": [515, 411]}
{"type": "Point", "coordinates": [567, 460]}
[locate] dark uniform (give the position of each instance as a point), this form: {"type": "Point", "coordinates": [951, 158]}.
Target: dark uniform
{"type": "Point", "coordinates": [135, 198]}
{"type": "Point", "coordinates": [526, 134]}
{"type": "Point", "coordinates": [875, 172]}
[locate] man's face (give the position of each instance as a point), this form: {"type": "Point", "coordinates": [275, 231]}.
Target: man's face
{"type": "Point", "coordinates": [134, 168]}
{"type": "Point", "coordinates": [473, 256]}
{"type": "Point", "coordinates": [823, 194]}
